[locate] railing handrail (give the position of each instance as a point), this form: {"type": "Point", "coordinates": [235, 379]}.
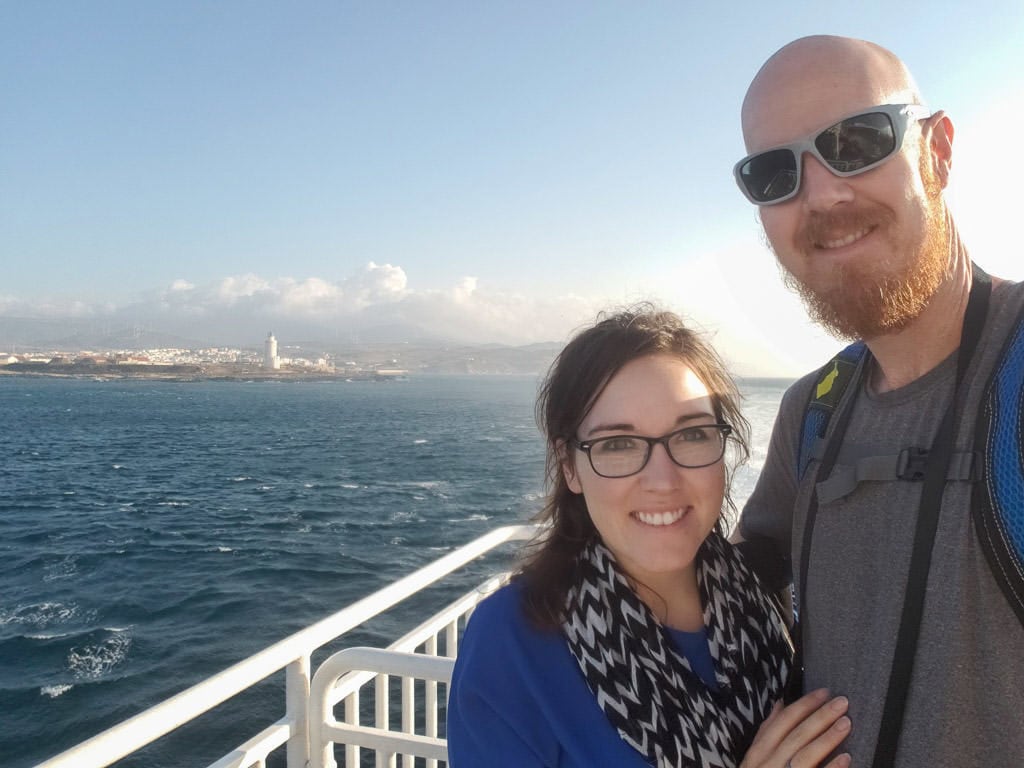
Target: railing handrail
{"type": "Point", "coordinates": [147, 726]}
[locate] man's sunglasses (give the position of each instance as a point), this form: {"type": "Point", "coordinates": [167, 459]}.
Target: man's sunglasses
{"type": "Point", "coordinates": [854, 145]}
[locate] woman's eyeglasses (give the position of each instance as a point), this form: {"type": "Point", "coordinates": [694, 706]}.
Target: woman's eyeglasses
{"type": "Point", "coordinates": [854, 145]}
{"type": "Point", "coordinates": [624, 455]}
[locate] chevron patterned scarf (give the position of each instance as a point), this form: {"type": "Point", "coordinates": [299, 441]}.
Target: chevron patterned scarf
{"type": "Point", "coordinates": [648, 690]}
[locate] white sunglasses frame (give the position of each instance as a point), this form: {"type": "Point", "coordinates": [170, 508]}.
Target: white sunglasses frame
{"type": "Point", "coordinates": [900, 115]}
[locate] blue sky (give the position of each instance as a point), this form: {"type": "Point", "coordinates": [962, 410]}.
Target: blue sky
{"type": "Point", "coordinates": [484, 170]}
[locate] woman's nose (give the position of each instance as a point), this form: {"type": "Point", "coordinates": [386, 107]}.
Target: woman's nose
{"type": "Point", "coordinates": [660, 471]}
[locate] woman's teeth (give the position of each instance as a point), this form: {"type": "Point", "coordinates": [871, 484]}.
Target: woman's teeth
{"type": "Point", "coordinates": [660, 518]}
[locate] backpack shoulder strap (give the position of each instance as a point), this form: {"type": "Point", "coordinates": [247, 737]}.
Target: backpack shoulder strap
{"type": "Point", "coordinates": [998, 502]}
{"type": "Point", "coordinates": [833, 379]}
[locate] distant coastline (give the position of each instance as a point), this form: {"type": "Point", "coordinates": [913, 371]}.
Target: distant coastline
{"type": "Point", "coordinates": [226, 372]}
{"type": "Point", "coordinates": [296, 362]}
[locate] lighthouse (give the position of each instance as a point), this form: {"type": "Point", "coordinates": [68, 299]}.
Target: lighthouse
{"type": "Point", "coordinates": [271, 361]}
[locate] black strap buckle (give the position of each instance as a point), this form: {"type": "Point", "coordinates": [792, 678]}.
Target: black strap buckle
{"type": "Point", "coordinates": [912, 463]}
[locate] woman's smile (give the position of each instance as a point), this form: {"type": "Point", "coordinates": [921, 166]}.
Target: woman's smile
{"type": "Point", "coordinates": [660, 519]}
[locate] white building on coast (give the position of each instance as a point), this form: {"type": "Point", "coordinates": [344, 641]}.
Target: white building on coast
{"type": "Point", "coordinates": [271, 361]}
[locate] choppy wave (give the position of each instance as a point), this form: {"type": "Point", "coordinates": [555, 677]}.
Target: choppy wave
{"type": "Point", "coordinates": [38, 615]}
{"type": "Point", "coordinates": [106, 649]}
{"type": "Point", "coordinates": [53, 691]}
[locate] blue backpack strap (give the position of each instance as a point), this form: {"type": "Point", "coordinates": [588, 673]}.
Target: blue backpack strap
{"type": "Point", "coordinates": [998, 502]}
{"type": "Point", "coordinates": [833, 379]}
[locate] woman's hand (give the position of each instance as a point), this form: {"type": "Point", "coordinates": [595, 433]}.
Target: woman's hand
{"type": "Point", "coordinates": [802, 734]}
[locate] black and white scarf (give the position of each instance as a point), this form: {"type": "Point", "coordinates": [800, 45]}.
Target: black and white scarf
{"type": "Point", "coordinates": [648, 690]}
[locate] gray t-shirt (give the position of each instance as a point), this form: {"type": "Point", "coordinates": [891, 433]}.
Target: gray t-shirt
{"type": "Point", "coordinates": [966, 700]}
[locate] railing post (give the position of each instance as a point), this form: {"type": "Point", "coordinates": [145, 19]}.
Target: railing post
{"type": "Point", "coordinates": [296, 681]}
{"type": "Point", "coordinates": [430, 698]}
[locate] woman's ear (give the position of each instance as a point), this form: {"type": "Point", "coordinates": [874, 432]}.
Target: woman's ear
{"type": "Point", "coordinates": [565, 461]}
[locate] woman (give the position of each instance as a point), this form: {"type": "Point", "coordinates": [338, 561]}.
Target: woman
{"type": "Point", "coordinates": [633, 634]}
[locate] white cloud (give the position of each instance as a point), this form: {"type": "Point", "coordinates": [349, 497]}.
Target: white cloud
{"type": "Point", "coordinates": [306, 296]}
{"type": "Point", "coordinates": [464, 289]}
{"type": "Point", "coordinates": [237, 309]}
{"type": "Point", "coordinates": [375, 284]}
{"type": "Point", "coordinates": [52, 308]}
{"type": "Point", "coordinates": [231, 289]}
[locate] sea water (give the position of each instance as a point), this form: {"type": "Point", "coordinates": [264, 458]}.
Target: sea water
{"type": "Point", "coordinates": [153, 533]}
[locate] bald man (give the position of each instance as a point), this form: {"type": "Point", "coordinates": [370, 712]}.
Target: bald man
{"type": "Point", "coordinates": [877, 521]}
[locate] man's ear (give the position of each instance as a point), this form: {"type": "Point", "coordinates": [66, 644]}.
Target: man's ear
{"type": "Point", "coordinates": [568, 465]}
{"type": "Point", "coordinates": [939, 130]}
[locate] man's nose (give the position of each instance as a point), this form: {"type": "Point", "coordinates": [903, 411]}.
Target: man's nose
{"type": "Point", "coordinates": [822, 189]}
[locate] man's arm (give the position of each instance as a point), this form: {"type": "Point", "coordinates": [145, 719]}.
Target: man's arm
{"type": "Point", "coordinates": [764, 531]}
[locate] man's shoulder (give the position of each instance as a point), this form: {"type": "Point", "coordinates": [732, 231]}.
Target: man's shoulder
{"type": "Point", "coordinates": [1008, 292]}
{"type": "Point", "coordinates": [1005, 314]}
{"type": "Point", "coordinates": [798, 394]}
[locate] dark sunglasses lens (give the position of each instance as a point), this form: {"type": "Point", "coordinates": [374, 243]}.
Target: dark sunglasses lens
{"type": "Point", "coordinates": [769, 175]}
{"type": "Point", "coordinates": [857, 143]}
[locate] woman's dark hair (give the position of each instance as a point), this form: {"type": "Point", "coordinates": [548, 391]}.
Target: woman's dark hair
{"type": "Point", "coordinates": [574, 382]}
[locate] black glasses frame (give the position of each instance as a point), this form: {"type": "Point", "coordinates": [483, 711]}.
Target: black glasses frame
{"type": "Point", "coordinates": [723, 429]}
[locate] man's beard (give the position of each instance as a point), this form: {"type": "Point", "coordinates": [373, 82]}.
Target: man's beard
{"type": "Point", "coordinates": [867, 300]}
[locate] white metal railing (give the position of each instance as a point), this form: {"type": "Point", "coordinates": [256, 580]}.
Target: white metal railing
{"type": "Point", "coordinates": [423, 642]}
{"type": "Point", "coordinates": [293, 654]}
{"type": "Point", "coordinates": [387, 743]}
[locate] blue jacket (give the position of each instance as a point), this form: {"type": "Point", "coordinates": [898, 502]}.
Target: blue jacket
{"type": "Point", "coordinates": [519, 700]}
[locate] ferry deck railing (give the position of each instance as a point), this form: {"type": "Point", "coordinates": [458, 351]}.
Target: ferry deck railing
{"type": "Point", "coordinates": [425, 654]}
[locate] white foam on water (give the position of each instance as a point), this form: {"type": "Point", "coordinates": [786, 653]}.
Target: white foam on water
{"type": "Point", "coordinates": [174, 504]}
{"type": "Point", "coordinates": [418, 442]}
{"type": "Point", "coordinates": [47, 635]}
{"type": "Point", "coordinates": [53, 691]}
{"type": "Point", "coordinates": [39, 615]}
{"type": "Point", "coordinates": [350, 486]}
{"type": "Point", "coordinates": [93, 661]}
